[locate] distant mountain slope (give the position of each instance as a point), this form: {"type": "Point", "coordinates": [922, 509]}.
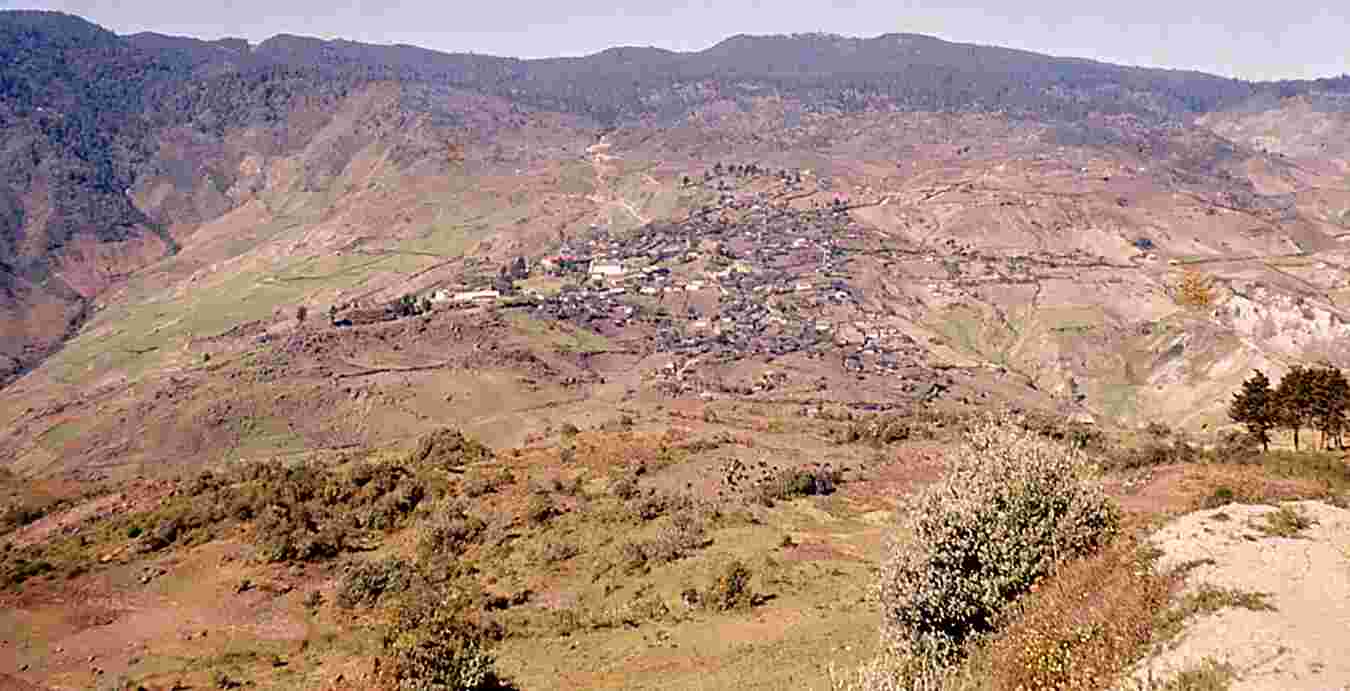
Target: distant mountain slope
{"type": "Point", "coordinates": [89, 119]}
{"type": "Point", "coordinates": [73, 137]}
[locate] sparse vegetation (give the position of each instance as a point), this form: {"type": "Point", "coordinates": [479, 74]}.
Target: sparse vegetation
{"type": "Point", "coordinates": [878, 430]}
{"type": "Point", "coordinates": [481, 482]}
{"type": "Point", "coordinates": [682, 534]}
{"type": "Point", "coordinates": [449, 533]}
{"type": "Point", "coordinates": [1195, 290]}
{"type": "Point", "coordinates": [791, 483]}
{"type": "Point", "coordinates": [1204, 599]}
{"type": "Point", "coordinates": [540, 509]}
{"type": "Point", "coordinates": [433, 645]}
{"type": "Point", "coordinates": [366, 582]}
{"type": "Point", "coordinates": [1209, 675]}
{"type": "Point", "coordinates": [731, 590]}
{"type": "Point", "coordinates": [449, 449]}
{"type": "Point", "coordinates": [1285, 521]}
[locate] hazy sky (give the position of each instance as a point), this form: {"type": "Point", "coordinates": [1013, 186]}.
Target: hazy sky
{"type": "Point", "coordinates": [1254, 40]}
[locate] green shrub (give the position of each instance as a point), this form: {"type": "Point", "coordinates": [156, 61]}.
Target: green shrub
{"type": "Point", "coordinates": [388, 511]}
{"type": "Point", "coordinates": [796, 482]}
{"type": "Point", "coordinates": [451, 533]}
{"type": "Point", "coordinates": [633, 556]}
{"type": "Point", "coordinates": [23, 570]}
{"type": "Point", "coordinates": [432, 646]}
{"type": "Point", "coordinates": [731, 590]}
{"type": "Point", "coordinates": [625, 488]}
{"type": "Point", "coordinates": [295, 534]}
{"type": "Point", "coordinates": [653, 505]}
{"type": "Point", "coordinates": [683, 534]}
{"type": "Point", "coordinates": [19, 515]}
{"type": "Point", "coordinates": [556, 552]}
{"type": "Point", "coordinates": [164, 534]}
{"type": "Point", "coordinates": [1287, 521]}
{"type": "Point", "coordinates": [448, 448]}
{"type": "Point", "coordinates": [365, 583]}
{"type": "Point", "coordinates": [480, 483]}
{"type": "Point", "coordinates": [1013, 504]}
{"type": "Point", "coordinates": [1155, 452]}
{"type": "Point", "coordinates": [540, 509]}
{"type": "Point", "coordinates": [878, 430]}
{"type": "Point", "coordinates": [221, 680]}
{"type": "Point", "coordinates": [1221, 496]}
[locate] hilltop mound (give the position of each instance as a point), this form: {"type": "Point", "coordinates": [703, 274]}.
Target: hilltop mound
{"type": "Point", "coordinates": [1302, 576]}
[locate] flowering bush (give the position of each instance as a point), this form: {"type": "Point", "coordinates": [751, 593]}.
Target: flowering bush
{"type": "Point", "coordinates": [1013, 505]}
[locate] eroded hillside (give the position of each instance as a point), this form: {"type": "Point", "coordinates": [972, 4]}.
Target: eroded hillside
{"type": "Point", "coordinates": [756, 237]}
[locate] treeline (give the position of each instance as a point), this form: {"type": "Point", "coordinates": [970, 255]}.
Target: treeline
{"type": "Point", "coordinates": [1314, 397]}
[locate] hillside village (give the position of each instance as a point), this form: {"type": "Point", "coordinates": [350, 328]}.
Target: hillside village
{"type": "Point", "coordinates": [761, 271]}
{"type": "Point", "coordinates": [753, 274]}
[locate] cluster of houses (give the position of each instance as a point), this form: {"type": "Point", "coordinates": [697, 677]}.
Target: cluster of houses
{"type": "Point", "coordinates": [749, 275]}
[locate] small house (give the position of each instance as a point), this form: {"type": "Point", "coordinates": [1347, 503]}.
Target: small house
{"type": "Point", "coordinates": [478, 296]}
{"type": "Point", "coordinates": [612, 271]}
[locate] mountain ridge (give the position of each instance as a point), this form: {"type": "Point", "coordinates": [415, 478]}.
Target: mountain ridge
{"type": "Point", "coordinates": [238, 154]}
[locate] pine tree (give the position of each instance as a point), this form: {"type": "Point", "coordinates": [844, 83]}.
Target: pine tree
{"type": "Point", "coordinates": [1254, 406]}
{"type": "Point", "coordinates": [1294, 400]}
{"type": "Point", "coordinates": [1330, 396]}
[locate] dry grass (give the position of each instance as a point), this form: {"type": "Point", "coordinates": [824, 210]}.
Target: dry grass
{"type": "Point", "coordinates": [1274, 478]}
{"type": "Point", "coordinates": [1081, 628]}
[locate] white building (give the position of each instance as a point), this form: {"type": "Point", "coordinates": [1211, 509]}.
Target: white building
{"type": "Point", "coordinates": [477, 296]}
{"type": "Point", "coordinates": [607, 270]}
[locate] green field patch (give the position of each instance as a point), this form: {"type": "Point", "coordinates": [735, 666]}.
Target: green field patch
{"type": "Point", "coordinates": [560, 335]}
{"type": "Point", "coordinates": [547, 286]}
{"type": "Point", "coordinates": [328, 268]}
{"type": "Point", "coordinates": [139, 337]}
{"type": "Point", "coordinates": [266, 435]}
{"type": "Point", "coordinates": [973, 332]}
{"type": "Point", "coordinates": [1119, 401]}
{"type": "Point", "coordinates": [447, 238]}
{"type": "Point", "coordinates": [58, 436]}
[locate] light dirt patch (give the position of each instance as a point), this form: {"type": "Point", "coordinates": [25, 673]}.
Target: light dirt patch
{"type": "Point", "coordinates": [1303, 643]}
{"type": "Point", "coordinates": [104, 626]}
